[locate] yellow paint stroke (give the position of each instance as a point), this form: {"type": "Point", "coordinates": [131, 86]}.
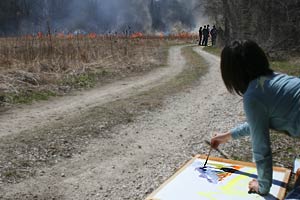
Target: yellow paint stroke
{"type": "Point", "coordinates": [209, 195]}
{"type": "Point", "coordinates": [229, 187]}
{"type": "Point", "coordinates": [217, 165]}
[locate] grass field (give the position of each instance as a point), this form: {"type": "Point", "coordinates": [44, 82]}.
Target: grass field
{"type": "Point", "coordinates": [36, 68]}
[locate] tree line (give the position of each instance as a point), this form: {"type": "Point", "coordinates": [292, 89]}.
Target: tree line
{"type": "Point", "coordinates": [25, 16]}
{"type": "Point", "coordinates": [273, 23]}
{"type": "Point", "coordinates": [102, 16]}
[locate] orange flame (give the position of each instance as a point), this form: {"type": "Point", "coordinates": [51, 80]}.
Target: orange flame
{"type": "Point", "coordinates": [137, 35]}
{"type": "Point", "coordinates": [40, 35]}
{"type": "Point", "coordinates": [161, 35]}
{"type": "Point", "coordinates": [70, 36]}
{"type": "Point", "coordinates": [60, 35]}
{"type": "Point", "coordinates": [92, 35]}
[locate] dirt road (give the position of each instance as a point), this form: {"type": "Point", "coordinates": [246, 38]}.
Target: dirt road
{"type": "Point", "coordinates": [138, 156]}
{"type": "Point", "coordinates": [39, 114]}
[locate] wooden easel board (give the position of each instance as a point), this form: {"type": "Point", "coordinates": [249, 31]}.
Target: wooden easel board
{"type": "Point", "coordinates": [192, 183]}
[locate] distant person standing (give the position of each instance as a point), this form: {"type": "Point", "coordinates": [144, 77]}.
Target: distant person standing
{"type": "Point", "coordinates": [208, 29]}
{"type": "Point", "coordinates": [213, 34]}
{"type": "Point", "coordinates": [205, 36]}
{"type": "Point", "coordinates": [200, 35]}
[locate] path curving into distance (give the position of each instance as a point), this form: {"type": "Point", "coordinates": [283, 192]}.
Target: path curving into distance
{"type": "Point", "coordinates": [34, 116]}
{"type": "Point", "coordinates": [139, 156]}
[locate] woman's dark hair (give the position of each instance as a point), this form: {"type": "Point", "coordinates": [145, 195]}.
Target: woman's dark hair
{"type": "Point", "coordinates": [242, 62]}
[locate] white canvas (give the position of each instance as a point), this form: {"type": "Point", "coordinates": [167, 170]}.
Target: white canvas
{"type": "Point", "coordinates": [188, 185]}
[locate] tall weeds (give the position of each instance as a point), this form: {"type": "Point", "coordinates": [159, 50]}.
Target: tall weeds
{"type": "Point", "coordinates": [57, 62]}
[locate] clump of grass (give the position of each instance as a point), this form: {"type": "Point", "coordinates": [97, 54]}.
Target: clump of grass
{"type": "Point", "coordinates": [25, 97]}
{"type": "Point", "coordinates": [198, 67]}
{"type": "Point", "coordinates": [81, 81]}
{"type": "Point", "coordinates": [286, 67]}
{"type": "Point", "coordinates": [214, 50]}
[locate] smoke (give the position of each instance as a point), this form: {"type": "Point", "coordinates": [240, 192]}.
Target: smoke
{"type": "Point", "coordinates": [107, 16]}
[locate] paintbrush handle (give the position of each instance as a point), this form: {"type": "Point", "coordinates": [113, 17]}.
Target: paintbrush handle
{"type": "Point", "coordinates": [223, 153]}
{"type": "Point", "coordinates": [207, 156]}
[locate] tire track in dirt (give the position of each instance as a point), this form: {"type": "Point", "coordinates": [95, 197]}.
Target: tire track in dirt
{"type": "Point", "coordinates": [34, 116]}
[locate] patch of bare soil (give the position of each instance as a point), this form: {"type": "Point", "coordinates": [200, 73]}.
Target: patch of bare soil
{"type": "Point", "coordinates": [118, 158]}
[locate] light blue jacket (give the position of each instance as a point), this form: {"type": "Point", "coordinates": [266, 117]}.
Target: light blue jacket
{"type": "Point", "coordinates": [270, 102]}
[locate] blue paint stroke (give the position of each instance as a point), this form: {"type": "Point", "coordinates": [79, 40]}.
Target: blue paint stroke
{"type": "Point", "coordinates": [209, 173]}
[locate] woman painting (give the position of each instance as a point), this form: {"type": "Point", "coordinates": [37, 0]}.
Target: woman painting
{"type": "Point", "coordinates": [271, 101]}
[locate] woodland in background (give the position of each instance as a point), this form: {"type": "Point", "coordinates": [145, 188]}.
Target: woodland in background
{"type": "Point", "coordinates": [275, 24]}
{"type": "Point", "coordinates": [19, 17]}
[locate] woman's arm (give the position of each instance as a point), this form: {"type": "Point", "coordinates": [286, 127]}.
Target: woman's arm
{"type": "Point", "coordinates": [237, 132]}
{"type": "Point", "coordinates": [258, 120]}
{"type": "Point", "coordinates": [220, 138]}
{"type": "Point", "coordinates": [240, 131]}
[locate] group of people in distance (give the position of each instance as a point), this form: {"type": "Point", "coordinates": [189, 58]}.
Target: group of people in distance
{"type": "Point", "coordinates": [205, 33]}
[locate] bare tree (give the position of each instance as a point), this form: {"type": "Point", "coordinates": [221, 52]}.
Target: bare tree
{"type": "Point", "coordinates": [272, 23]}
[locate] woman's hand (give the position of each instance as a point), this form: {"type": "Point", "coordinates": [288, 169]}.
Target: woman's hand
{"type": "Point", "coordinates": [253, 186]}
{"type": "Point", "coordinates": [220, 138]}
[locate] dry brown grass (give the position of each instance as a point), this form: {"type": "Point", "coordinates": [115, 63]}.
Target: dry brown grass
{"type": "Point", "coordinates": [30, 66]}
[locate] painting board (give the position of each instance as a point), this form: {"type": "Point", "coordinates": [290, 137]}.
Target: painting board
{"type": "Point", "coordinates": [191, 183]}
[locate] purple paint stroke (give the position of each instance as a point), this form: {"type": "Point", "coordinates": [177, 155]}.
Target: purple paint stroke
{"type": "Point", "coordinates": [209, 173]}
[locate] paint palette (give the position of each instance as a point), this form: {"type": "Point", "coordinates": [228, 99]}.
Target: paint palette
{"type": "Point", "coordinates": [221, 179]}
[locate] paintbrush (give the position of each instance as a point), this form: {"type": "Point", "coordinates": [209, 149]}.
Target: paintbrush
{"type": "Point", "coordinates": [224, 154]}
{"type": "Point", "coordinates": [207, 158]}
